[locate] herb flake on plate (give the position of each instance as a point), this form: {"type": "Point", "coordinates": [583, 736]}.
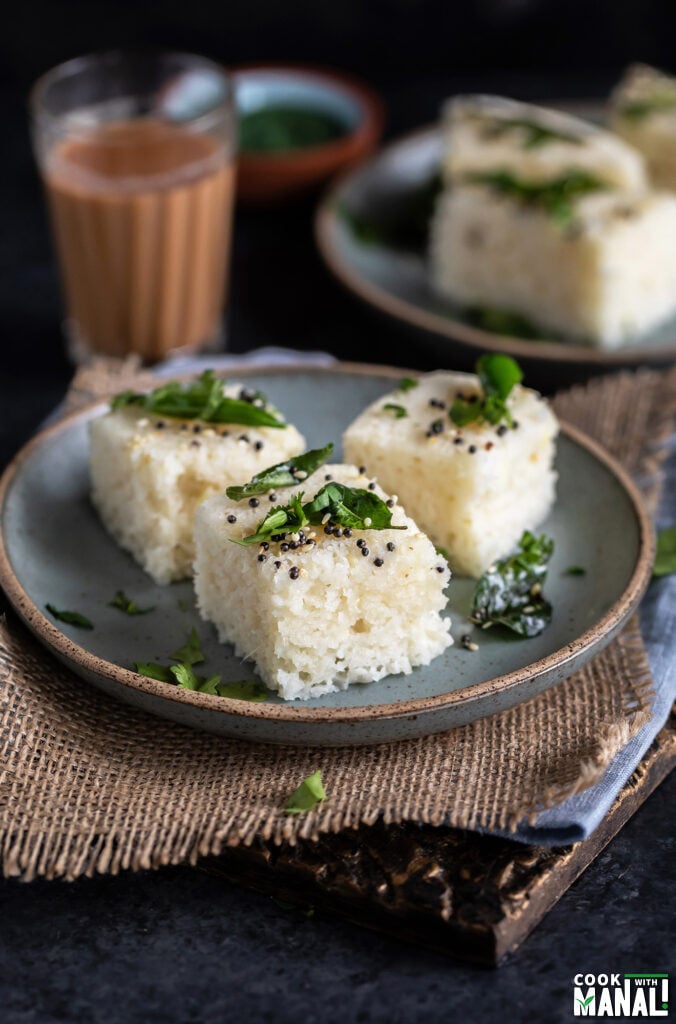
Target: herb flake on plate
{"type": "Point", "coordinates": [307, 795]}
{"type": "Point", "coordinates": [151, 670]}
{"type": "Point", "coordinates": [202, 399]}
{"type": "Point", "coordinates": [533, 133]}
{"type": "Point", "coordinates": [510, 592]}
{"type": "Point", "coordinates": [243, 689]}
{"type": "Point", "coordinates": [638, 110]}
{"type": "Point", "coordinates": [72, 618]}
{"type": "Point", "coordinates": [407, 384]}
{"type": "Point", "coordinates": [283, 474]}
{"type": "Point", "coordinates": [127, 605]}
{"type": "Point", "coordinates": [333, 505]}
{"type": "Point", "coordinates": [498, 374]}
{"type": "Point", "coordinates": [665, 555]}
{"type": "Point", "coordinates": [191, 653]}
{"type": "Point", "coordinates": [575, 570]}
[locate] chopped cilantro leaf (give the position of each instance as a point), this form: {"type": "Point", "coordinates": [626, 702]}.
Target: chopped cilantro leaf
{"type": "Point", "coordinates": [201, 399]}
{"type": "Point", "coordinates": [284, 474]}
{"type": "Point", "coordinates": [637, 110]}
{"type": "Point", "coordinates": [534, 134]}
{"type": "Point", "coordinates": [72, 618]}
{"type": "Point", "coordinates": [398, 410]}
{"type": "Point", "coordinates": [307, 795]}
{"type": "Point", "coordinates": [188, 680]}
{"type": "Point", "coordinates": [407, 384]}
{"type": "Point", "coordinates": [191, 652]}
{"type": "Point", "coordinates": [665, 556]}
{"type": "Point", "coordinates": [575, 570]}
{"type": "Point", "coordinates": [244, 689]}
{"type": "Point", "coordinates": [126, 605]}
{"type": "Point", "coordinates": [555, 197]}
{"type": "Point", "coordinates": [510, 592]}
{"type": "Point", "coordinates": [153, 671]}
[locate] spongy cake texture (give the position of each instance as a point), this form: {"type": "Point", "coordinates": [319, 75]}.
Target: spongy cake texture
{"type": "Point", "coordinates": [473, 490]}
{"type": "Point", "coordinates": [327, 613]}
{"type": "Point", "coordinates": [583, 280]}
{"type": "Point", "coordinates": [150, 473]}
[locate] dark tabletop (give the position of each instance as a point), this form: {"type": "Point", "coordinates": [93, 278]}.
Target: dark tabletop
{"type": "Point", "coordinates": [180, 945]}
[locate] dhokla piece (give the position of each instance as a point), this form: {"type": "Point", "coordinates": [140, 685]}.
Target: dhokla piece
{"type": "Point", "coordinates": [472, 489]}
{"type": "Point", "coordinates": [323, 607]}
{"type": "Point", "coordinates": [493, 133]}
{"type": "Point", "coordinates": [598, 269]}
{"type": "Point", "coordinates": [150, 471]}
{"type": "Point", "coordinates": [643, 112]}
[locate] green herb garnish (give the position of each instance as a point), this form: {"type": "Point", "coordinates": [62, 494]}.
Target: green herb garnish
{"type": "Point", "coordinates": [244, 689]}
{"type": "Point", "coordinates": [502, 321]}
{"type": "Point", "coordinates": [72, 618]}
{"type": "Point", "coordinates": [398, 410]}
{"type": "Point", "coordinates": [202, 399]}
{"type": "Point", "coordinates": [555, 197]}
{"type": "Point", "coordinates": [402, 224]}
{"type": "Point", "coordinates": [638, 110]}
{"type": "Point", "coordinates": [191, 653]}
{"type": "Point", "coordinates": [126, 605]}
{"type": "Point", "coordinates": [284, 474]}
{"type": "Point", "coordinates": [154, 671]}
{"type": "Point", "coordinates": [188, 680]}
{"type": "Point", "coordinates": [510, 592]}
{"type": "Point", "coordinates": [534, 134]}
{"type": "Point", "coordinates": [308, 795]}
{"type": "Point", "coordinates": [575, 570]}
{"type": "Point", "coordinates": [335, 504]}
{"type": "Point", "coordinates": [498, 374]}
{"type": "Point", "coordinates": [274, 129]}
{"type": "Point", "coordinates": [665, 556]}
{"type": "Point", "coordinates": [407, 384]}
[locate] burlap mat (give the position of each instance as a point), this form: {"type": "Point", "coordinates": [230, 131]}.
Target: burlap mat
{"type": "Point", "coordinates": [89, 785]}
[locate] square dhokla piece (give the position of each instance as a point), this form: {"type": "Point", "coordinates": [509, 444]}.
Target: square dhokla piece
{"type": "Point", "coordinates": [605, 274]}
{"type": "Point", "coordinates": [324, 610]}
{"type": "Point", "coordinates": [473, 490]}
{"type": "Point", "coordinates": [643, 112]}
{"type": "Point", "coordinates": [150, 472]}
{"type": "Point", "coordinates": [491, 133]}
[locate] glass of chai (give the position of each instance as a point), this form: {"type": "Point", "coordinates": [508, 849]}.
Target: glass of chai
{"type": "Point", "coordinates": [137, 153]}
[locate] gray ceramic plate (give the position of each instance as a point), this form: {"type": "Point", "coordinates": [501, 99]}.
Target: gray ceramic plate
{"type": "Point", "coordinates": [395, 280]}
{"type": "Point", "coordinates": [54, 549]}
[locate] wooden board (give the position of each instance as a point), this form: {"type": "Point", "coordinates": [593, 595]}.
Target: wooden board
{"type": "Point", "coordinates": [471, 896]}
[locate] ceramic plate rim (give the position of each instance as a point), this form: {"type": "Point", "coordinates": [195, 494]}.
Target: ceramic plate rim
{"type": "Point", "coordinates": [56, 641]}
{"type": "Point", "coordinates": [447, 326]}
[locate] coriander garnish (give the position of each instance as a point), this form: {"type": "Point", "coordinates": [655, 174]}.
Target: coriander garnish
{"type": "Point", "coordinates": [665, 556]}
{"type": "Point", "coordinates": [152, 670]}
{"type": "Point", "coordinates": [575, 570]}
{"type": "Point", "coordinates": [334, 505]}
{"type": "Point", "coordinates": [72, 618]}
{"type": "Point", "coordinates": [398, 410]}
{"type": "Point", "coordinates": [407, 384]}
{"type": "Point", "coordinates": [126, 605]}
{"type": "Point", "coordinates": [534, 134]}
{"type": "Point", "coordinates": [243, 689]}
{"type": "Point", "coordinates": [191, 653]}
{"type": "Point", "coordinates": [188, 680]}
{"type": "Point", "coordinates": [202, 399]}
{"type": "Point", "coordinates": [283, 474]}
{"type": "Point", "coordinates": [307, 795]}
{"type": "Point", "coordinates": [498, 374]}
{"type": "Point", "coordinates": [510, 592]}
{"type": "Point", "coordinates": [637, 110]}
{"type": "Point", "coordinates": [555, 197]}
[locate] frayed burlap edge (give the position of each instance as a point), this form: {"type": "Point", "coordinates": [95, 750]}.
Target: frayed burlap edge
{"type": "Point", "coordinates": [65, 811]}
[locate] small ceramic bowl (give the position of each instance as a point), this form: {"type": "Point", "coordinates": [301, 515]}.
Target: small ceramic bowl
{"type": "Point", "coordinates": [276, 175]}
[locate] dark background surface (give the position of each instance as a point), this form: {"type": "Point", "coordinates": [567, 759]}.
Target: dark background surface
{"type": "Point", "coordinates": [178, 945]}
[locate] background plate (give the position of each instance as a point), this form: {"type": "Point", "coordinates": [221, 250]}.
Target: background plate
{"type": "Point", "coordinates": [54, 549]}
{"type": "Point", "coordinates": [396, 281]}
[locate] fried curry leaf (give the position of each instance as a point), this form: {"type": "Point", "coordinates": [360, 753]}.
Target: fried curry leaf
{"type": "Point", "coordinates": [510, 592]}
{"type": "Point", "coordinates": [283, 474]}
{"type": "Point", "coordinates": [201, 399]}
